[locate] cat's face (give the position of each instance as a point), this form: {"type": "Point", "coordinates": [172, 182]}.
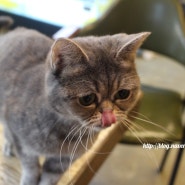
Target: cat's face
{"type": "Point", "coordinates": [93, 79]}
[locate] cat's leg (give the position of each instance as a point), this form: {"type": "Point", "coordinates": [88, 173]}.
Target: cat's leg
{"type": "Point", "coordinates": [53, 169]}
{"type": "Point", "coordinates": [30, 170]}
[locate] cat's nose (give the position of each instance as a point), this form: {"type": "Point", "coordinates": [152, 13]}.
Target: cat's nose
{"type": "Point", "coordinates": [108, 118]}
{"type": "Point", "coordinates": [106, 105]}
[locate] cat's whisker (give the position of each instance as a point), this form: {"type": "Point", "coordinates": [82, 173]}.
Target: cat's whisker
{"type": "Point", "coordinates": [85, 146]}
{"type": "Point", "coordinates": [82, 131]}
{"type": "Point", "coordinates": [139, 128]}
{"type": "Point", "coordinates": [67, 137]}
{"type": "Point", "coordinates": [127, 123]}
{"type": "Point", "coordinates": [87, 149]}
{"type": "Point", "coordinates": [76, 133]}
{"type": "Point", "coordinates": [77, 143]}
{"type": "Point", "coordinates": [145, 119]}
{"type": "Point", "coordinates": [73, 152]}
{"type": "Point", "coordinates": [65, 140]}
{"type": "Point", "coordinates": [156, 139]}
{"type": "Point", "coordinates": [139, 114]}
{"type": "Point", "coordinates": [150, 154]}
{"type": "Point", "coordinates": [90, 137]}
{"type": "Point", "coordinates": [93, 119]}
{"type": "Point", "coordinates": [134, 128]}
{"type": "Point", "coordinates": [155, 124]}
{"type": "Point", "coordinates": [91, 130]}
{"type": "Point", "coordinates": [74, 149]}
{"type": "Point", "coordinates": [92, 134]}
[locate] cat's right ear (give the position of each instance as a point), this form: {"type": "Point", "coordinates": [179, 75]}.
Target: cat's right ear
{"type": "Point", "coordinates": [65, 52]}
{"type": "Point", "coordinates": [130, 45]}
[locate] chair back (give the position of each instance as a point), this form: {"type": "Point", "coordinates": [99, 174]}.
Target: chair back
{"type": "Point", "coordinates": [164, 18]}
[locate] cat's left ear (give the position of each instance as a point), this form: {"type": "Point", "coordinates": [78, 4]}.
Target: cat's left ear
{"type": "Point", "coordinates": [130, 45]}
{"type": "Point", "coordinates": [66, 52]}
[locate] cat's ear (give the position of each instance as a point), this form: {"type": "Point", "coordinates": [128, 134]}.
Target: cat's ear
{"type": "Point", "coordinates": [65, 51]}
{"type": "Point", "coordinates": [130, 45]}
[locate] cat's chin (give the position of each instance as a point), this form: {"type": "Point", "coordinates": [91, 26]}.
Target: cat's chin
{"type": "Point", "coordinates": [99, 128]}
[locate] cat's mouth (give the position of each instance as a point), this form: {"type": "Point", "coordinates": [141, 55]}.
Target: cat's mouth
{"type": "Point", "coordinates": [103, 119]}
{"type": "Point", "coordinates": [107, 118]}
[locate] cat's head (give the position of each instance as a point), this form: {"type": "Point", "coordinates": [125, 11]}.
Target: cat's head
{"type": "Point", "coordinates": [93, 79]}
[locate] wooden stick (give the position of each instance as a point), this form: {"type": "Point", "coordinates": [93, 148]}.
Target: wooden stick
{"type": "Point", "coordinates": [82, 171]}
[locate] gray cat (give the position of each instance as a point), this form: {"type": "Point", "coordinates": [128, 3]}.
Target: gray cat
{"type": "Point", "coordinates": [56, 94]}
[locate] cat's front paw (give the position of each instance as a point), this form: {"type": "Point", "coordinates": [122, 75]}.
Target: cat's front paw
{"type": "Point", "coordinates": [30, 176]}
{"type": "Point", "coordinates": [52, 171]}
{"type": "Point", "coordinates": [29, 181]}
{"type": "Point", "coordinates": [26, 180]}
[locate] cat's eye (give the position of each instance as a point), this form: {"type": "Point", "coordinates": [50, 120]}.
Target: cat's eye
{"type": "Point", "coordinates": [122, 94]}
{"type": "Point", "coordinates": [87, 100]}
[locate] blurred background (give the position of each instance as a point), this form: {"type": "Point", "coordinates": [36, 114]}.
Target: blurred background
{"type": "Point", "coordinates": [52, 15]}
{"type": "Point", "coordinates": [128, 164]}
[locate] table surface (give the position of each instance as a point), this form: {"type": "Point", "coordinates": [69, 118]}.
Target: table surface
{"type": "Point", "coordinates": [155, 70]}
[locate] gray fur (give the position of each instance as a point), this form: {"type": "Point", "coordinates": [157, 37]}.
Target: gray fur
{"type": "Point", "coordinates": [40, 85]}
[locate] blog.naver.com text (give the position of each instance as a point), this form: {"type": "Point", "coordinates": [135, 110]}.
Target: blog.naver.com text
{"type": "Point", "coordinates": [165, 146]}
